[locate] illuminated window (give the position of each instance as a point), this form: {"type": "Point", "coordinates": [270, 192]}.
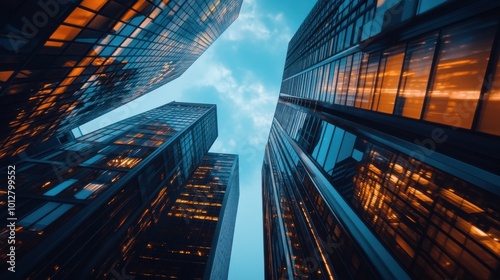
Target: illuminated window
{"type": "Point", "coordinates": [89, 189]}
{"type": "Point", "coordinates": [65, 33]}
{"type": "Point", "coordinates": [124, 162]}
{"type": "Point", "coordinates": [490, 112]}
{"type": "Point", "coordinates": [415, 77]}
{"type": "Point", "coordinates": [368, 82]}
{"type": "Point", "coordinates": [79, 17]}
{"type": "Point", "coordinates": [388, 81]}
{"type": "Point", "coordinates": [5, 75]}
{"type": "Point", "coordinates": [93, 4]}
{"type": "Point", "coordinates": [461, 66]}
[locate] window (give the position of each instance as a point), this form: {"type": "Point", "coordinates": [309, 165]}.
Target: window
{"type": "Point", "coordinates": [417, 66]}
{"type": "Point", "coordinates": [369, 81]}
{"type": "Point", "coordinates": [353, 82]}
{"type": "Point", "coordinates": [388, 80]}
{"type": "Point", "coordinates": [61, 187]}
{"type": "Point", "coordinates": [461, 65]}
{"type": "Point", "coordinates": [44, 215]}
{"type": "Point", "coordinates": [490, 113]}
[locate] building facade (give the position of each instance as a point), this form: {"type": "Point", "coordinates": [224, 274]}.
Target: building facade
{"type": "Point", "coordinates": [63, 63]}
{"type": "Point", "coordinates": [383, 160]}
{"type": "Point", "coordinates": [194, 239]}
{"type": "Point", "coordinates": [82, 203]}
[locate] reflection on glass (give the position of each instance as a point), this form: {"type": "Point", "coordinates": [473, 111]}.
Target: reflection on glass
{"type": "Point", "coordinates": [388, 81]}
{"type": "Point", "coordinates": [415, 77]}
{"type": "Point", "coordinates": [490, 112]}
{"type": "Point", "coordinates": [461, 66]}
{"type": "Point", "coordinates": [449, 226]}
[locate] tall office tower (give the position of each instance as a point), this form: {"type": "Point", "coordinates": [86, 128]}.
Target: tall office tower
{"type": "Point", "coordinates": [194, 239]}
{"type": "Point", "coordinates": [383, 159]}
{"type": "Point", "coordinates": [76, 203]}
{"type": "Point", "coordinates": [63, 63]}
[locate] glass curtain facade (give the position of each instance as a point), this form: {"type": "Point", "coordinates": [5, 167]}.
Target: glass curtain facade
{"type": "Point", "coordinates": [383, 157]}
{"type": "Point", "coordinates": [63, 63]}
{"type": "Point", "coordinates": [194, 239]}
{"type": "Point", "coordinates": [78, 201]}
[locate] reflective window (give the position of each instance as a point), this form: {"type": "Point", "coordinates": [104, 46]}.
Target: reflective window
{"type": "Point", "coordinates": [353, 81]}
{"type": "Point", "coordinates": [461, 65]}
{"type": "Point", "coordinates": [343, 78]}
{"type": "Point", "coordinates": [369, 81]}
{"type": "Point", "coordinates": [325, 143]}
{"type": "Point", "coordinates": [490, 112]}
{"type": "Point", "coordinates": [418, 61]}
{"type": "Point", "coordinates": [333, 81]}
{"type": "Point", "coordinates": [388, 80]}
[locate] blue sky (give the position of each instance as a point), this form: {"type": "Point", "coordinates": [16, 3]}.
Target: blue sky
{"type": "Point", "coordinates": [241, 72]}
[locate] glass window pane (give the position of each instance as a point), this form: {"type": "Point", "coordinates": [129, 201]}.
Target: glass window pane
{"type": "Point", "coordinates": [38, 213]}
{"type": "Point", "coordinates": [371, 73]}
{"type": "Point", "coordinates": [490, 112]}
{"type": "Point", "coordinates": [353, 82]}
{"type": "Point", "coordinates": [66, 33]}
{"type": "Point", "coordinates": [79, 17]}
{"type": "Point", "coordinates": [333, 81]}
{"type": "Point", "coordinates": [324, 83]}
{"type": "Point", "coordinates": [54, 215]}
{"type": "Point", "coordinates": [339, 97]}
{"type": "Point", "coordinates": [461, 66]}
{"type": "Point", "coordinates": [347, 146]}
{"type": "Point", "coordinates": [334, 150]}
{"type": "Point", "coordinates": [326, 143]}
{"type": "Point", "coordinates": [418, 61]}
{"type": "Point", "coordinates": [388, 81]}
{"type": "Point", "coordinates": [61, 187]}
{"type": "Point", "coordinates": [362, 79]}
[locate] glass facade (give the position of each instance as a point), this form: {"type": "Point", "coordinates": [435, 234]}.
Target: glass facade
{"type": "Point", "coordinates": [193, 240]}
{"type": "Point", "coordinates": [383, 158]}
{"type": "Point", "coordinates": [63, 63]}
{"type": "Point", "coordinates": [79, 201]}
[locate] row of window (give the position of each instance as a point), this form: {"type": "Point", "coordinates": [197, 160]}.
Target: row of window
{"type": "Point", "coordinates": [437, 78]}
{"type": "Point", "coordinates": [405, 202]}
{"type": "Point", "coordinates": [341, 31]}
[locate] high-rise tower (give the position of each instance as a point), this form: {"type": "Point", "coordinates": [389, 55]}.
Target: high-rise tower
{"type": "Point", "coordinates": [83, 205]}
{"type": "Point", "coordinates": [383, 159]}
{"type": "Point", "coordinates": [193, 240]}
{"type": "Point", "coordinates": [64, 63]}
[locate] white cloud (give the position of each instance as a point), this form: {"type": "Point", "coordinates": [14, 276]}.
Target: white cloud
{"type": "Point", "coordinates": [248, 98]}
{"type": "Point", "coordinates": [252, 24]}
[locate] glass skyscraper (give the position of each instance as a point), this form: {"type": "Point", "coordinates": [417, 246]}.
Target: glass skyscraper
{"type": "Point", "coordinates": [192, 241]}
{"type": "Point", "coordinates": [63, 63]}
{"type": "Point", "coordinates": [83, 205]}
{"type": "Point", "coordinates": [383, 160]}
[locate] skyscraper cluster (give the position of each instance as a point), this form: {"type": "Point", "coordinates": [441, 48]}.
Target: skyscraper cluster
{"type": "Point", "coordinates": [139, 198]}
{"type": "Point", "coordinates": [383, 160]}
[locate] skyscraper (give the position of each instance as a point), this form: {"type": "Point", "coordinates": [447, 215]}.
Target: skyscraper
{"type": "Point", "coordinates": [383, 159]}
{"type": "Point", "coordinates": [193, 241]}
{"type": "Point", "coordinates": [63, 63]}
{"type": "Point", "coordinates": [81, 206]}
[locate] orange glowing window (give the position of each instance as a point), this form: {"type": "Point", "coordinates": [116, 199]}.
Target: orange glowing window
{"type": "Point", "coordinates": [5, 75]}
{"type": "Point", "coordinates": [86, 61]}
{"type": "Point", "coordinates": [66, 33]}
{"type": "Point", "coordinates": [79, 17]}
{"type": "Point", "coordinates": [53, 44]}
{"type": "Point", "coordinates": [76, 71]}
{"type": "Point", "coordinates": [59, 90]}
{"type": "Point", "coordinates": [95, 5]}
{"type": "Point", "coordinates": [67, 81]}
